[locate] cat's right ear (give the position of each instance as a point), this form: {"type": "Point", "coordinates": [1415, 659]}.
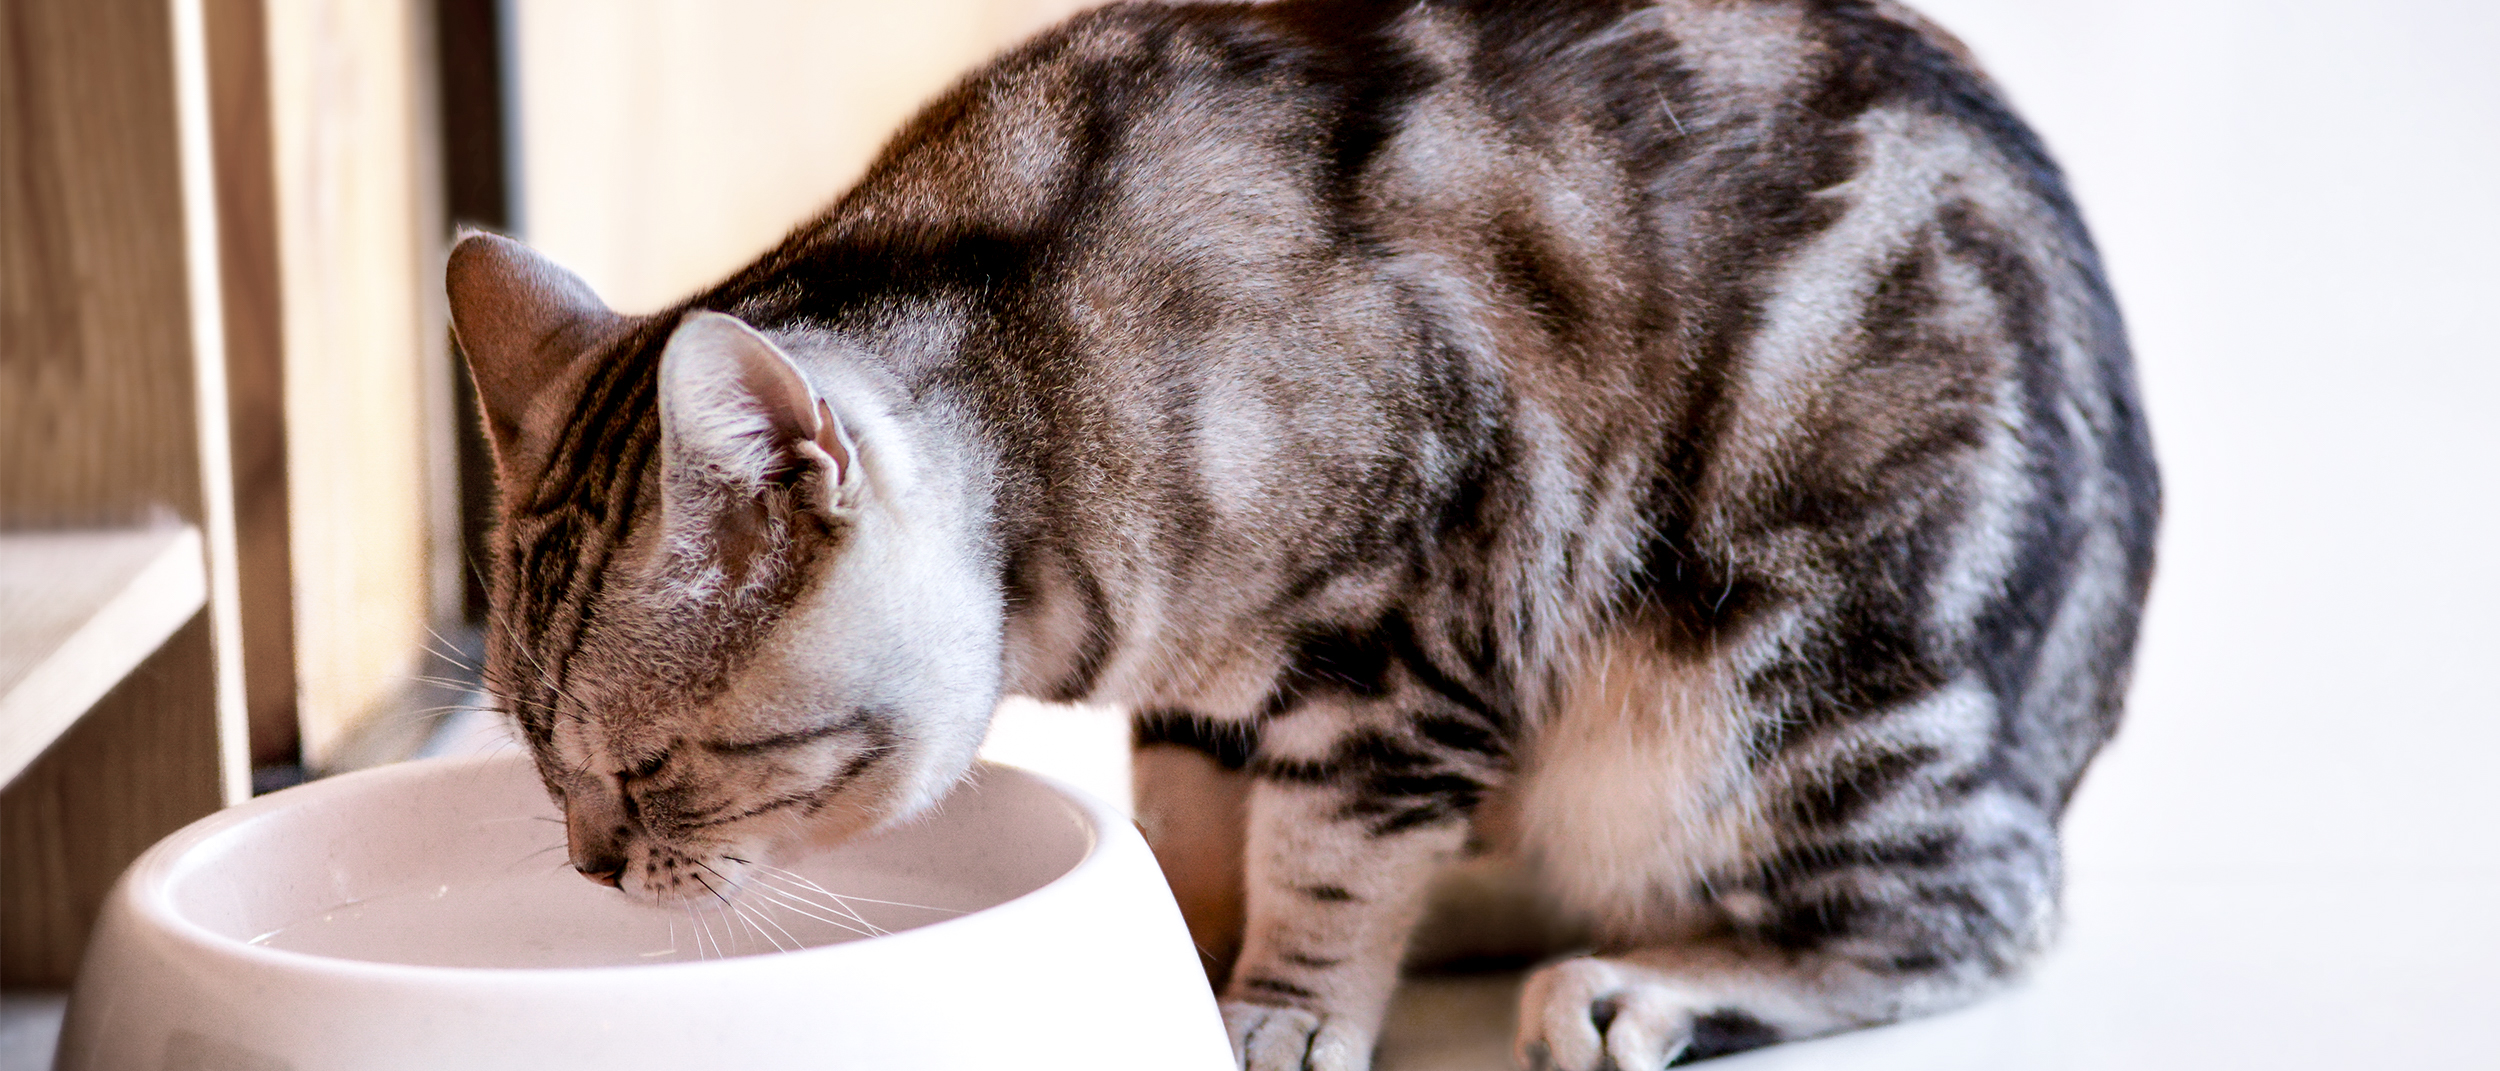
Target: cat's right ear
{"type": "Point", "coordinates": [522, 320]}
{"type": "Point", "coordinates": [737, 415]}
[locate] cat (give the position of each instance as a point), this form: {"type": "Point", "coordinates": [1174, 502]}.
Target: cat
{"type": "Point", "coordinates": [1684, 451]}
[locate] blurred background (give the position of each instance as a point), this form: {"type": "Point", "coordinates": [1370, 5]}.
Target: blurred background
{"type": "Point", "coordinates": [240, 483]}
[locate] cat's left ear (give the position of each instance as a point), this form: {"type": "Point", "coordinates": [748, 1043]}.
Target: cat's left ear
{"type": "Point", "coordinates": [736, 414]}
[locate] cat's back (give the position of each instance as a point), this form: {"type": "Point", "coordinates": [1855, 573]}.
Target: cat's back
{"type": "Point", "coordinates": [1700, 297]}
{"type": "Point", "coordinates": [1645, 181]}
{"type": "Point", "coordinates": [1748, 227]}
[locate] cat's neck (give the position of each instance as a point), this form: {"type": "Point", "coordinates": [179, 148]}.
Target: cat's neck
{"type": "Point", "coordinates": [972, 467]}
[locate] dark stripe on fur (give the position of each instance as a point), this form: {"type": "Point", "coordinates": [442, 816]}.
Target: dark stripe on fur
{"type": "Point", "coordinates": [1725, 1032]}
{"type": "Point", "coordinates": [1276, 987]}
{"type": "Point", "coordinates": [1229, 743]}
{"type": "Point", "coordinates": [1848, 788]}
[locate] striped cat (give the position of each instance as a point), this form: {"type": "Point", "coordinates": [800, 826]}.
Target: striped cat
{"type": "Point", "coordinates": [1685, 451]}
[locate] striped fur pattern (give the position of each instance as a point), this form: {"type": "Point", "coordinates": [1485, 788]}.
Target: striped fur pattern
{"type": "Point", "coordinates": [1684, 449]}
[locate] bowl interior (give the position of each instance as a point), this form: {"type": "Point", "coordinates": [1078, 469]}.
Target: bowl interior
{"type": "Point", "coordinates": [462, 864]}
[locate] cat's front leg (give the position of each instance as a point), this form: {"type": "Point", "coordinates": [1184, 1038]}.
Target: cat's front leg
{"type": "Point", "coordinates": [1331, 901]}
{"type": "Point", "coordinates": [1345, 835]}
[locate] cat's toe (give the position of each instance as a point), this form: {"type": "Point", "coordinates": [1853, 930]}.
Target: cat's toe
{"type": "Point", "coordinates": [1292, 1039]}
{"type": "Point", "coordinates": [1589, 1014]}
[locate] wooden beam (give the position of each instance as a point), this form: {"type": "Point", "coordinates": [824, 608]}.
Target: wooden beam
{"type": "Point", "coordinates": [247, 233]}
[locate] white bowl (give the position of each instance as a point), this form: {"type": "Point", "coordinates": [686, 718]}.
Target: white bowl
{"type": "Point", "coordinates": [422, 916]}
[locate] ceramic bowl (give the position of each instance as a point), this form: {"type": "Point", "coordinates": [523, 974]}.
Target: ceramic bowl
{"type": "Point", "coordinates": [422, 916]}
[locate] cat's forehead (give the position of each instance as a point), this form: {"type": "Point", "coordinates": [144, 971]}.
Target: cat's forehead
{"type": "Point", "coordinates": [625, 718]}
{"type": "Point", "coordinates": [661, 647]}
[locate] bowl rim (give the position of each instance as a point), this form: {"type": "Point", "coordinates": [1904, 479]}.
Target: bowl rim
{"type": "Point", "coordinates": [145, 889]}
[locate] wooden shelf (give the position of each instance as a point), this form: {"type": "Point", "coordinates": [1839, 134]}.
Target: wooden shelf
{"type": "Point", "coordinates": [78, 612]}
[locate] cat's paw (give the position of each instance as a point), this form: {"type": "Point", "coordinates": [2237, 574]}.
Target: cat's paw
{"type": "Point", "coordinates": [1589, 1014]}
{"type": "Point", "coordinates": [1292, 1039]}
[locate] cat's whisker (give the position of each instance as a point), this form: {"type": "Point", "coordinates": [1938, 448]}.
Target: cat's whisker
{"type": "Point", "coordinates": [716, 893]}
{"type": "Point", "coordinates": [763, 919]}
{"type": "Point", "coordinates": [701, 931]}
{"type": "Point", "coordinates": [542, 851]}
{"type": "Point", "coordinates": [719, 950]}
{"type": "Point", "coordinates": [454, 708]}
{"type": "Point", "coordinates": [786, 899]}
{"type": "Point", "coordinates": [781, 900]}
{"type": "Point", "coordinates": [739, 923]}
{"type": "Point", "coordinates": [781, 890]}
{"type": "Point", "coordinates": [863, 899]}
{"type": "Point", "coordinates": [742, 927]}
{"type": "Point", "coordinates": [449, 651]}
{"type": "Point", "coordinates": [546, 679]}
{"type": "Point", "coordinates": [748, 920]}
{"type": "Point", "coordinates": [792, 882]}
{"type": "Point", "coordinates": [834, 904]}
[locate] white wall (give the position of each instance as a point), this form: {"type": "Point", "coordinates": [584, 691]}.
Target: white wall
{"type": "Point", "coordinates": [2300, 207]}
{"type": "Point", "coordinates": [2288, 859]}
{"type": "Point", "coordinates": [665, 143]}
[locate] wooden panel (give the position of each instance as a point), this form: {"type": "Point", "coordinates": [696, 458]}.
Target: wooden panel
{"type": "Point", "coordinates": [112, 412]}
{"type": "Point", "coordinates": [247, 231]}
{"type": "Point", "coordinates": [97, 400]}
{"type": "Point", "coordinates": [112, 378]}
{"type": "Point", "coordinates": [666, 142]}
{"type": "Point", "coordinates": [126, 775]}
{"type": "Point", "coordinates": [355, 257]}
{"type": "Point", "coordinates": [78, 612]}
{"type": "Point", "coordinates": [438, 373]}
{"type": "Point", "coordinates": [469, 39]}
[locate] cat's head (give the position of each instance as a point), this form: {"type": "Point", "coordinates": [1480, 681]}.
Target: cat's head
{"type": "Point", "coordinates": [733, 608]}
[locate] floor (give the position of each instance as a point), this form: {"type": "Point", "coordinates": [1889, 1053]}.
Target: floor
{"type": "Point", "coordinates": [2287, 860]}
{"type": "Point", "coordinates": [30, 1025]}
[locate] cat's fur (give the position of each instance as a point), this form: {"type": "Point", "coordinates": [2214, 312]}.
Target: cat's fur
{"type": "Point", "coordinates": [1689, 445]}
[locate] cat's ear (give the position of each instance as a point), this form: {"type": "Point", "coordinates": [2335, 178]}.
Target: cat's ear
{"type": "Point", "coordinates": [736, 414]}
{"type": "Point", "coordinates": [522, 320]}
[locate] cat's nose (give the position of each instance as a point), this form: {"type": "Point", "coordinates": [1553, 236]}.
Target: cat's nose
{"type": "Point", "coordinates": [605, 867]}
{"type": "Point", "coordinates": [597, 834]}
{"type": "Point", "coordinates": [599, 853]}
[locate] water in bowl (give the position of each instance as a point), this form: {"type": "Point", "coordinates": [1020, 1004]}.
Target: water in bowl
{"type": "Point", "coordinates": [555, 919]}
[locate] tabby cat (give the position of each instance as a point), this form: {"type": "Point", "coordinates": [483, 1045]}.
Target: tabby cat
{"type": "Point", "coordinates": [1683, 450]}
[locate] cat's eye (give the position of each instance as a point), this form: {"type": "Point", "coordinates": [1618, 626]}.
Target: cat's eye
{"type": "Point", "coordinates": [651, 766]}
{"type": "Point", "coordinates": [776, 742]}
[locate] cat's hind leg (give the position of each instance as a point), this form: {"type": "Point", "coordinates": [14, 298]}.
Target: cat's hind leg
{"type": "Point", "coordinates": [1821, 939]}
